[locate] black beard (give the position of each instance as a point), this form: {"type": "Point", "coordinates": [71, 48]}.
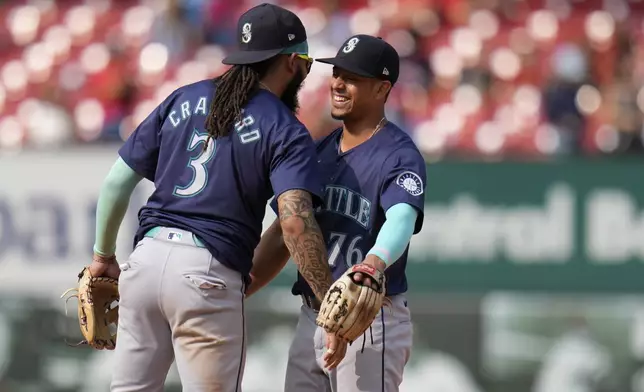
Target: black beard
{"type": "Point", "coordinates": [290, 95]}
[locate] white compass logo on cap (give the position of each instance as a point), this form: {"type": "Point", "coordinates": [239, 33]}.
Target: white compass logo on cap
{"type": "Point", "coordinates": [246, 33]}
{"type": "Point", "coordinates": [350, 45]}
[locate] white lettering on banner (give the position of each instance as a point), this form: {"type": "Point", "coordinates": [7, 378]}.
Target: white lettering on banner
{"type": "Point", "coordinates": [36, 227]}
{"type": "Point", "coordinates": [47, 213]}
{"type": "Point", "coordinates": [47, 216]}
{"type": "Point", "coordinates": [46, 229]}
{"type": "Point", "coordinates": [467, 230]}
{"type": "Point", "coordinates": [615, 227]}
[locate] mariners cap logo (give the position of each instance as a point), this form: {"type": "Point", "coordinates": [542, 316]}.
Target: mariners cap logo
{"type": "Point", "coordinates": [410, 182]}
{"type": "Point", "coordinates": [350, 45]}
{"type": "Point", "coordinates": [246, 33]}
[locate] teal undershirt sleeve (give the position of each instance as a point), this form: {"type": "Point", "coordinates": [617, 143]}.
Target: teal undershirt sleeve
{"type": "Point", "coordinates": [396, 232]}
{"type": "Point", "coordinates": [112, 205]}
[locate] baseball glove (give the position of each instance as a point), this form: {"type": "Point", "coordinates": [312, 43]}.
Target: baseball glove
{"type": "Point", "coordinates": [349, 307]}
{"type": "Point", "coordinates": [95, 314]}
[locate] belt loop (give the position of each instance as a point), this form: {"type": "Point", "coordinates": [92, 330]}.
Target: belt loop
{"type": "Point", "coordinates": [311, 303]}
{"type": "Point", "coordinates": [388, 303]}
{"type": "Point", "coordinates": [198, 242]}
{"type": "Point", "coordinates": [153, 232]}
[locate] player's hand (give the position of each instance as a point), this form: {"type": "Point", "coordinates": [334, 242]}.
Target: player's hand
{"type": "Point", "coordinates": [336, 349]}
{"type": "Point", "coordinates": [373, 261]}
{"type": "Point", "coordinates": [252, 287]}
{"type": "Point", "coordinates": [102, 266]}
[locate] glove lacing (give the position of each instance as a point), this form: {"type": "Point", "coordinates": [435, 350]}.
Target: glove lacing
{"type": "Point", "coordinates": [364, 338]}
{"type": "Point", "coordinates": [364, 335]}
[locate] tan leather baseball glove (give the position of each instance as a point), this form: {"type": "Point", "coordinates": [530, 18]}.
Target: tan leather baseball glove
{"type": "Point", "coordinates": [349, 307]}
{"type": "Point", "coordinates": [95, 311]}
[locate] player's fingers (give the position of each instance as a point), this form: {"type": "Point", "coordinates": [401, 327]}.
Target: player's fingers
{"type": "Point", "coordinates": [332, 358]}
{"type": "Point", "coordinates": [331, 346]}
{"type": "Point", "coordinates": [364, 280]}
{"type": "Point", "coordinates": [331, 363]}
{"type": "Point", "coordinates": [328, 355]}
{"type": "Point", "coordinates": [339, 356]}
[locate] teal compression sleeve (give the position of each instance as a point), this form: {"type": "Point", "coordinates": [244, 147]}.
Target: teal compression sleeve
{"type": "Point", "coordinates": [112, 205]}
{"type": "Point", "coordinates": [395, 233]}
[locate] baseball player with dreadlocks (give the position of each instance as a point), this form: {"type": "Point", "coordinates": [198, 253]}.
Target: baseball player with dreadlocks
{"type": "Point", "coordinates": [373, 204]}
{"type": "Point", "coordinates": [216, 152]}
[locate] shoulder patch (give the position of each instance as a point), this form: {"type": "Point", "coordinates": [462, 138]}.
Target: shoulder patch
{"type": "Point", "coordinates": [410, 182]}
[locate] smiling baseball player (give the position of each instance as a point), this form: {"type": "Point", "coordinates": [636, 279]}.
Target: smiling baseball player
{"type": "Point", "coordinates": [373, 204]}
{"type": "Point", "coordinates": [216, 151]}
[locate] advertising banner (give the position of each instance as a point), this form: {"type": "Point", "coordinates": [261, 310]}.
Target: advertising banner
{"type": "Point", "coordinates": [566, 226]}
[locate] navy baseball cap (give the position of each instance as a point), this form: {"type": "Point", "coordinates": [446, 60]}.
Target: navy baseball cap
{"type": "Point", "coordinates": [265, 31]}
{"type": "Point", "coordinates": [367, 56]}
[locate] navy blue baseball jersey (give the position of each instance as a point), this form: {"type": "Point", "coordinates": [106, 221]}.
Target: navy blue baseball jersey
{"type": "Point", "coordinates": [361, 184]}
{"type": "Point", "coordinates": [219, 193]}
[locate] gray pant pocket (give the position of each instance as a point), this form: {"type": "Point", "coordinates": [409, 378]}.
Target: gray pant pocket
{"type": "Point", "coordinates": [206, 284]}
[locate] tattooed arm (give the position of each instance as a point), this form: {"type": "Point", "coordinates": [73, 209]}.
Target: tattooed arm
{"type": "Point", "coordinates": [303, 238]}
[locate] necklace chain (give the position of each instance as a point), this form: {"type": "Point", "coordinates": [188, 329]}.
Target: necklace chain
{"type": "Point", "coordinates": [266, 87]}
{"type": "Point", "coordinates": [381, 123]}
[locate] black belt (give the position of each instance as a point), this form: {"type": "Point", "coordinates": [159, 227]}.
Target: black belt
{"type": "Point", "coordinates": [311, 302]}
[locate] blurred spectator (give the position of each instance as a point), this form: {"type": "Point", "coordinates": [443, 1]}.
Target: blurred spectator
{"type": "Point", "coordinates": [177, 28]}
{"type": "Point", "coordinates": [569, 67]}
{"type": "Point", "coordinates": [221, 22]}
{"type": "Point", "coordinates": [527, 80]}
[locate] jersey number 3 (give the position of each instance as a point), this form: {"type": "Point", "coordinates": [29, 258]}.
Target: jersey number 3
{"type": "Point", "coordinates": [197, 164]}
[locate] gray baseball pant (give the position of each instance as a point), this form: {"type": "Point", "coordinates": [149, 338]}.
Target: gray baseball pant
{"type": "Point", "coordinates": [178, 303]}
{"type": "Point", "coordinates": [373, 363]}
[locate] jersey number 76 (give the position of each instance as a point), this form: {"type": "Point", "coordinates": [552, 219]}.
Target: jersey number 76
{"type": "Point", "coordinates": [337, 242]}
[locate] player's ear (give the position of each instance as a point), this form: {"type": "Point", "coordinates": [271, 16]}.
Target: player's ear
{"type": "Point", "coordinates": [383, 89]}
{"type": "Point", "coordinates": [291, 63]}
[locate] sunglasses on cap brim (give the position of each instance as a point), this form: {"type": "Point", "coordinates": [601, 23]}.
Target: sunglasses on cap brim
{"type": "Point", "coordinates": [309, 60]}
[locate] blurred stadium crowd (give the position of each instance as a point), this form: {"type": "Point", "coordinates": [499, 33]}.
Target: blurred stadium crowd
{"type": "Point", "coordinates": [526, 79]}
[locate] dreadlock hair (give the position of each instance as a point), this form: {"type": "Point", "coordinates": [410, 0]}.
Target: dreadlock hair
{"type": "Point", "coordinates": [235, 88]}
